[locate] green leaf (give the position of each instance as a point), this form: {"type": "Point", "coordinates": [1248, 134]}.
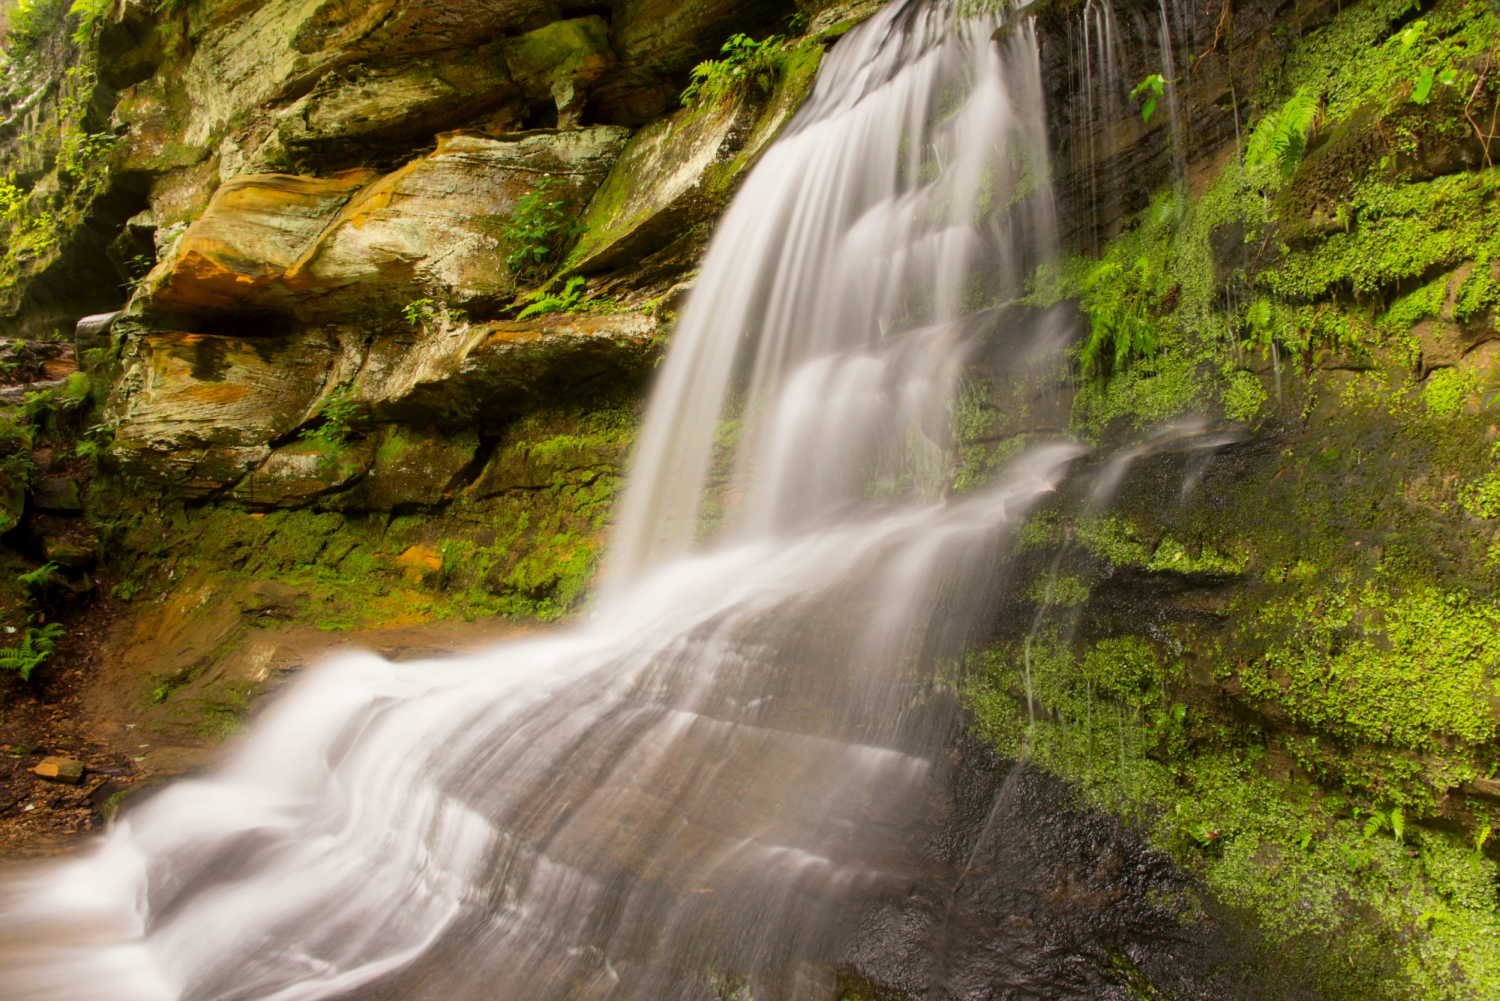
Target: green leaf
{"type": "Point", "coordinates": [1421, 85]}
{"type": "Point", "coordinates": [1151, 87]}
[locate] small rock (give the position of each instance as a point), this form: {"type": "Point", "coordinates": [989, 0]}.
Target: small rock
{"type": "Point", "coordinates": [67, 770]}
{"type": "Point", "coordinates": [58, 494]}
{"type": "Point", "coordinates": [271, 599]}
{"type": "Point", "coordinates": [67, 554]}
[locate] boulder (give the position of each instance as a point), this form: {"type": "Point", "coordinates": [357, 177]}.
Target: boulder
{"type": "Point", "coordinates": [356, 107]}
{"type": "Point", "coordinates": [681, 171]}
{"type": "Point", "coordinates": [56, 494]}
{"type": "Point", "coordinates": [410, 470]}
{"type": "Point", "coordinates": [437, 226]}
{"type": "Point", "coordinates": [253, 229]}
{"type": "Point", "coordinates": [522, 463]}
{"type": "Point", "coordinates": [491, 370]}
{"type": "Point", "coordinates": [326, 249]}
{"type": "Point", "coordinates": [226, 64]}
{"type": "Point", "coordinates": [198, 411]}
{"type": "Point", "coordinates": [68, 553]}
{"type": "Point", "coordinates": [68, 770]}
{"type": "Point", "coordinates": [298, 473]}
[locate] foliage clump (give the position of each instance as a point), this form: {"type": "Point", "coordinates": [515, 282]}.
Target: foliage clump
{"type": "Point", "coordinates": [538, 228]}
{"type": "Point", "coordinates": [743, 61]}
{"type": "Point", "coordinates": [36, 645]}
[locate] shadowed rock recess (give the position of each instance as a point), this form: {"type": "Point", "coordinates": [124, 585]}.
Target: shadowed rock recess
{"type": "Point", "coordinates": [331, 321]}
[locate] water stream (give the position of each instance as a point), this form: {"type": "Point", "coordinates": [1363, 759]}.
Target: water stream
{"type": "Point", "coordinates": [705, 788]}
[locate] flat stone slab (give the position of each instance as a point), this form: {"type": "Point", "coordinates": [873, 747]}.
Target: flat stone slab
{"type": "Point", "coordinates": [68, 770]}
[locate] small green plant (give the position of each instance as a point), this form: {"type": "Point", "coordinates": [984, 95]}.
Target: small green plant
{"type": "Point", "coordinates": [1121, 326]}
{"type": "Point", "coordinates": [37, 644]}
{"type": "Point", "coordinates": [538, 227]}
{"type": "Point", "coordinates": [136, 270]}
{"type": "Point", "coordinates": [36, 583]}
{"type": "Point", "coordinates": [337, 411]}
{"type": "Point", "coordinates": [1277, 143]}
{"type": "Point", "coordinates": [1243, 396]}
{"type": "Point", "coordinates": [422, 313]}
{"type": "Point", "coordinates": [32, 20]}
{"type": "Point", "coordinates": [1436, 68]}
{"type": "Point", "coordinates": [543, 302]}
{"type": "Point", "coordinates": [1447, 391]}
{"type": "Point", "coordinates": [94, 442]}
{"type": "Point", "coordinates": [37, 404]}
{"type": "Point", "coordinates": [744, 60]}
{"type": "Point", "coordinates": [125, 590]}
{"type": "Point", "coordinates": [1150, 88]}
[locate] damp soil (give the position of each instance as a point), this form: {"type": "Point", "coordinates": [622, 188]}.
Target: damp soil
{"type": "Point", "coordinates": [49, 715]}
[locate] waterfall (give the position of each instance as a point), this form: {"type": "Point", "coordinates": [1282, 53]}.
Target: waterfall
{"type": "Point", "coordinates": [696, 791]}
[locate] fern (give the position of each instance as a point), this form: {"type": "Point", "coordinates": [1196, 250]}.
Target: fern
{"type": "Point", "coordinates": [36, 583]}
{"type": "Point", "coordinates": [546, 302]}
{"type": "Point", "coordinates": [1280, 138]}
{"type": "Point", "coordinates": [541, 222]}
{"type": "Point", "coordinates": [1120, 324]}
{"type": "Point", "coordinates": [744, 59]}
{"type": "Point", "coordinates": [35, 647]}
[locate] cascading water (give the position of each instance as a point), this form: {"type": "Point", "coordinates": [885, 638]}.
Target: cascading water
{"type": "Point", "coordinates": [704, 784]}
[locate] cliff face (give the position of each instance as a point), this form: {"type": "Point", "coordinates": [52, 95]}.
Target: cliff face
{"type": "Point", "coordinates": [387, 280]}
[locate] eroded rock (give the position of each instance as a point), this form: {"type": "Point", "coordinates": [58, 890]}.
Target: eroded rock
{"type": "Point", "coordinates": [303, 471]}
{"type": "Point", "coordinates": [199, 411]}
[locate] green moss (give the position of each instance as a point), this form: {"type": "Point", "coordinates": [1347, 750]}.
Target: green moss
{"type": "Point", "coordinates": [1243, 396]}
{"type": "Point", "coordinates": [1113, 539]}
{"type": "Point", "coordinates": [1447, 391]}
{"type": "Point", "coordinates": [1171, 556]}
{"type": "Point", "coordinates": [1367, 665]}
{"type": "Point", "coordinates": [1372, 915]}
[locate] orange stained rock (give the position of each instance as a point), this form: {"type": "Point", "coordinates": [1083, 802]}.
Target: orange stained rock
{"type": "Point", "coordinates": [255, 227]}
{"type": "Point", "coordinates": [418, 561]}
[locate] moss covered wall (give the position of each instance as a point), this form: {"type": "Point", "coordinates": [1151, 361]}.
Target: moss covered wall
{"type": "Point", "coordinates": [1272, 641]}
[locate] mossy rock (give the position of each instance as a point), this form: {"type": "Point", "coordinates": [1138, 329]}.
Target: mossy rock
{"type": "Point", "coordinates": [411, 470]}
{"type": "Point", "coordinates": [297, 474]}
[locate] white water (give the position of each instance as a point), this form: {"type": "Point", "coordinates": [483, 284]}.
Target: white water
{"type": "Point", "coordinates": [702, 785]}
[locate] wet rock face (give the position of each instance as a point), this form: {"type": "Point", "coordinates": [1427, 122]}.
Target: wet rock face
{"type": "Point", "coordinates": [1024, 895]}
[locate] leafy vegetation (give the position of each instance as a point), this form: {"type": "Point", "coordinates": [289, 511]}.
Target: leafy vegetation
{"type": "Point", "coordinates": [1278, 141]}
{"type": "Point", "coordinates": [743, 61]}
{"type": "Point", "coordinates": [1148, 91]}
{"type": "Point", "coordinates": [538, 228]}
{"type": "Point", "coordinates": [334, 414]}
{"type": "Point", "coordinates": [421, 313]}
{"type": "Point", "coordinates": [36, 645]}
{"type": "Point", "coordinates": [569, 300]}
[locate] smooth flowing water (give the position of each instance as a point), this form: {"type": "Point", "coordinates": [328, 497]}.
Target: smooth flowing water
{"type": "Point", "coordinates": [702, 788]}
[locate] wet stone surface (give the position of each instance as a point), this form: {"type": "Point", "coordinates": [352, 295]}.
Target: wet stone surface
{"type": "Point", "coordinates": [1024, 895]}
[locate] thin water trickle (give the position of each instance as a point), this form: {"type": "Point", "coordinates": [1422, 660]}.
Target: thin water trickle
{"type": "Point", "coordinates": [705, 784]}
